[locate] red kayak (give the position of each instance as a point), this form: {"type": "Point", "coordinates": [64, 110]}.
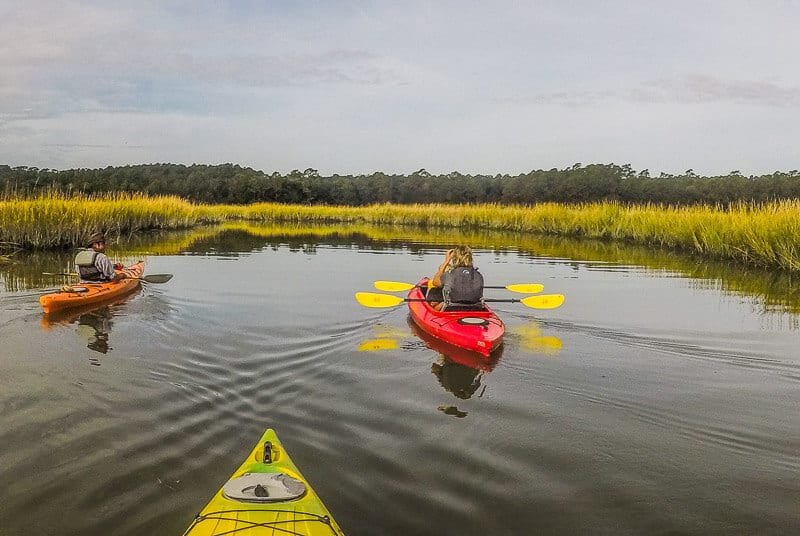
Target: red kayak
{"type": "Point", "coordinates": [457, 354]}
{"type": "Point", "coordinates": [478, 331]}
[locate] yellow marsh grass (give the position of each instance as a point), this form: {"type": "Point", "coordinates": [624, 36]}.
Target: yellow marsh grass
{"type": "Point", "coordinates": [57, 220]}
{"type": "Point", "coordinates": [763, 235]}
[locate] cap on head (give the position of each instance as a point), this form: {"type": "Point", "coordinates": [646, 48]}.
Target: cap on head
{"type": "Point", "coordinates": [96, 237]}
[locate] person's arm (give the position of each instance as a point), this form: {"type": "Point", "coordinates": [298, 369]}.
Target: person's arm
{"type": "Point", "coordinates": [437, 279]}
{"type": "Point", "coordinates": [104, 264]}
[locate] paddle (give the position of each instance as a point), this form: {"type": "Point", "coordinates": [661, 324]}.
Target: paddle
{"type": "Point", "coordinates": [373, 299]}
{"type": "Point", "coordinates": [522, 288]}
{"type": "Point", "coordinates": [152, 278]}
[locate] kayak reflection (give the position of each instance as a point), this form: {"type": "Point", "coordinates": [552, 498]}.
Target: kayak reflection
{"type": "Point", "coordinates": [456, 378]}
{"type": "Point", "coordinates": [458, 371]}
{"type": "Point", "coordinates": [96, 327]}
{"type": "Point", "coordinates": [94, 323]}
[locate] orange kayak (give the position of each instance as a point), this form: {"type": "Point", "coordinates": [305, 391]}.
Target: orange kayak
{"type": "Point", "coordinates": [84, 294]}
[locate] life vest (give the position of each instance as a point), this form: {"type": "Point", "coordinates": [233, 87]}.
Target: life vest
{"type": "Point", "coordinates": [463, 285]}
{"type": "Point", "coordinates": [84, 261]}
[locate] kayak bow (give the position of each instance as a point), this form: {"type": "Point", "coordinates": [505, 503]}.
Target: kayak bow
{"type": "Point", "coordinates": [266, 495]}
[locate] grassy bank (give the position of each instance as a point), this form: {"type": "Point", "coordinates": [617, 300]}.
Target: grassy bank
{"type": "Point", "coordinates": [51, 221]}
{"type": "Point", "coordinates": [761, 235]}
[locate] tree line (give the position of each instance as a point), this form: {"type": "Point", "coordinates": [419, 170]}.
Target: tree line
{"type": "Point", "coordinates": [234, 184]}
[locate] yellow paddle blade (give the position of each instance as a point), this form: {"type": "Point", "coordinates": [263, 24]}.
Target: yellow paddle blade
{"type": "Point", "coordinates": [393, 286]}
{"type": "Point", "coordinates": [373, 345]}
{"type": "Point", "coordinates": [545, 301]}
{"type": "Point", "coordinates": [526, 288]}
{"type": "Point", "coordinates": [372, 299]}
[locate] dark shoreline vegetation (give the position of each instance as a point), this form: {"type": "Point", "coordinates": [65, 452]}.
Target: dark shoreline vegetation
{"type": "Point", "coordinates": [233, 184]}
{"type": "Point", "coordinates": [46, 209]}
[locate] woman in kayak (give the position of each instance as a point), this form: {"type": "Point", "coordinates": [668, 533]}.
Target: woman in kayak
{"type": "Point", "coordinates": [457, 283]}
{"type": "Point", "coordinates": [94, 266]}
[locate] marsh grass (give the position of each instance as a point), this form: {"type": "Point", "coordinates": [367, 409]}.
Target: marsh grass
{"type": "Point", "coordinates": [57, 220]}
{"type": "Point", "coordinates": [761, 235]}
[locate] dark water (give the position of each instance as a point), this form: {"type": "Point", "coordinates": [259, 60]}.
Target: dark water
{"type": "Point", "coordinates": [651, 402]}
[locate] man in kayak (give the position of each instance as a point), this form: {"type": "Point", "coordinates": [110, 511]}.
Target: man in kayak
{"type": "Point", "coordinates": [94, 266]}
{"type": "Point", "coordinates": [457, 283]}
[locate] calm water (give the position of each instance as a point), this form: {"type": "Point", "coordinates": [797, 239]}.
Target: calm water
{"type": "Point", "coordinates": [650, 403]}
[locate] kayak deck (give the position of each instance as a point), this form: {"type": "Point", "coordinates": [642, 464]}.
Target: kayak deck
{"type": "Point", "coordinates": [457, 354]}
{"type": "Point", "coordinates": [266, 495]}
{"type": "Point", "coordinates": [83, 294]}
{"type": "Point", "coordinates": [478, 331]}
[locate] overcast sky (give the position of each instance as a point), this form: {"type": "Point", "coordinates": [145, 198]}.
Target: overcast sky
{"type": "Point", "coordinates": [356, 86]}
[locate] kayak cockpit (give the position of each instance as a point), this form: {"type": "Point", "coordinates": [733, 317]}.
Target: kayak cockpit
{"type": "Point", "coordinates": [263, 488]}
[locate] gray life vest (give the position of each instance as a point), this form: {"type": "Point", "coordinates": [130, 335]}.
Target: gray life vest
{"type": "Point", "coordinates": [84, 262]}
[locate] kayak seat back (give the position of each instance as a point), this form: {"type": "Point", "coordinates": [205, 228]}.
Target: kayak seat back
{"type": "Point", "coordinates": [450, 307]}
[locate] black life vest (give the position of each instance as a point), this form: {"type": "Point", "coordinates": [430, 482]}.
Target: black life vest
{"type": "Point", "coordinates": [84, 262]}
{"type": "Point", "coordinates": [463, 285]}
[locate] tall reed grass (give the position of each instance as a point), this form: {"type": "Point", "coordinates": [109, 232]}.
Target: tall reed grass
{"type": "Point", "coordinates": [762, 235]}
{"type": "Point", "coordinates": [59, 220]}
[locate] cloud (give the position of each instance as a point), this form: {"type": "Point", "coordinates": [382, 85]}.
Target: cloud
{"type": "Point", "coordinates": [72, 57]}
{"type": "Point", "coordinates": [363, 86]}
{"type": "Point", "coordinates": [690, 89]}
{"type": "Point", "coordinates": [709, 89]}
{"type": "Point", "coordinates": [92, 146]}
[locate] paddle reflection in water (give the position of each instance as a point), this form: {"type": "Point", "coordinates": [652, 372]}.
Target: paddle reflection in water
{"type": "Point", "coordinates": [532, 339]}
{"type": "Point", "coordinates": [385, 338]}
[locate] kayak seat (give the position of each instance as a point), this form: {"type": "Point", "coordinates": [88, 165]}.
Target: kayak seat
{"type": "Point", "coordinates": [70, 288]}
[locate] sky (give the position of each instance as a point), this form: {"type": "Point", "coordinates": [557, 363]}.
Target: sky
{"type": "Point", "coordinates": [352, 87]}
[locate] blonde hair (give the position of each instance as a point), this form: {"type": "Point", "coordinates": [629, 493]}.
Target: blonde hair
{"type": "Point", "coordinates": [461, 256]}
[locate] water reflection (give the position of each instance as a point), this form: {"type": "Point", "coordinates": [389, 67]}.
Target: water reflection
{"type": "Point", "coordinates": [96, 327]}
{"type": "Point", "coordinates": [385, 337]}
{"type": "Point", "coordinates": [776, 290]}
{"type": "Point", "coordinates": [93, 323]}
{"type": "Point", "coordinates": [459, 379]}
{"type": "Point", "coordinates": [374, 345]}
{"type": "Point", "coordinates": [93, 326]}
{"type": "Point", "coordinates": [459, 371]}
{"type": "Point", "coordinates": [532, 339]}
{"type": "Point", "coordinates": [665, 373]}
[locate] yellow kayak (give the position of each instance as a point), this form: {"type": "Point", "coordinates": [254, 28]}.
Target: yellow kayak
{"type": "Point", "coordinates": [266, 495]}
